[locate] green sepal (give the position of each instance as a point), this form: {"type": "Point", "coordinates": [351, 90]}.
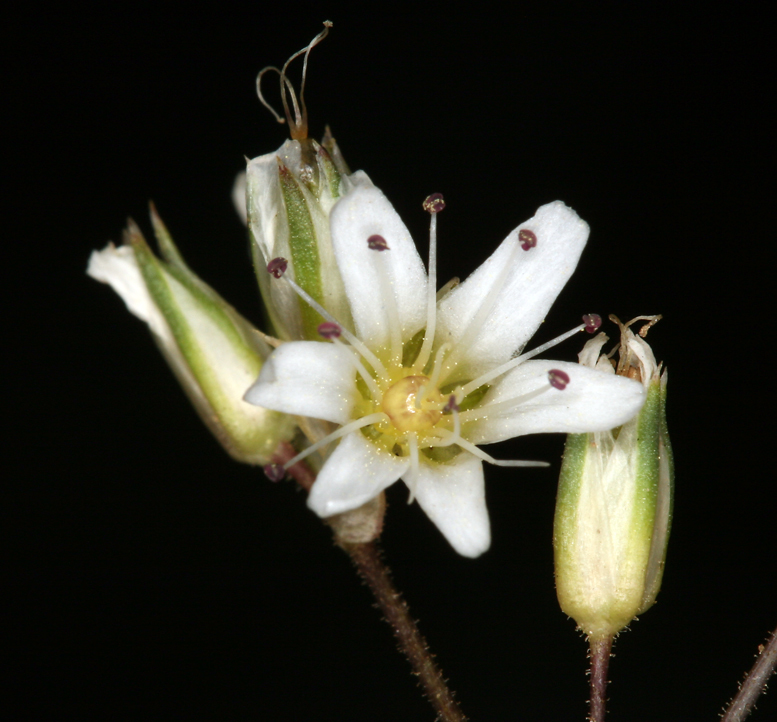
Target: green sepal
{"type": "Point", "coordinates": [303, 246]}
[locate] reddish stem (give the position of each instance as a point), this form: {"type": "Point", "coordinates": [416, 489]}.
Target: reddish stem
{"type": "Point", "coordinates": [600, 662]}
{"type": "Point", "coordinates": [754, 683]}
{"type": "Point", "coordinates": [370, 566]}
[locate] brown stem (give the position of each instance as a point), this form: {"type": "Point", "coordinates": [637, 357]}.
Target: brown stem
{"type": "Point", "coordinates": [754, 682]}
{"type": "Point", "coordinates": [370, 566]}
{"type": "Point", "coordinates": [600, 661]}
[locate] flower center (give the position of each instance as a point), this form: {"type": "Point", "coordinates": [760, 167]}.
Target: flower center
{"type": "Point", "coordinates": [413, 404]}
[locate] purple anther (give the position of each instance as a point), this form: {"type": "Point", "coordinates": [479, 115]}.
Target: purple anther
{"type": "Point", "coordinates": [377, 243]}
{"type": "Point", "coordinates": [592, 322]}
{"type": "Point", "coordinates": [450, 405]}
{"type": "Point", "coordinates": [434, 203]}
{"type": "Point", "coordinates": [277, 267]}
{"type": "Point", "coordinates": [274, 472]}
{"type": "Point", "coordinates": [558, 379]}
{"type": "Point", "coordinates": [527, 239]}
{"type": "Point", "coordinates": [329, 330]}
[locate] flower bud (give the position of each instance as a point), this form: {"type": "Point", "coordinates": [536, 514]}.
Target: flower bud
{"type": "Point", "coordinates": [213, 351]}
{"type": "Point", "coordinates": [289, 197]}
{"type": "Point", "coordinates": [614, 505]}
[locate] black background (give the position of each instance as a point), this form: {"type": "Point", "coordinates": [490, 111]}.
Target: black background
{"type": "Point", "coordinates": [154, 578]}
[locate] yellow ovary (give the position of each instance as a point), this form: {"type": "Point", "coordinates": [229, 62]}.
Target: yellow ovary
{"type": "Point", "coordinates": [413, 405]}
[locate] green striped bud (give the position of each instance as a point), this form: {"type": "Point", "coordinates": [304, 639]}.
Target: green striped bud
{"type": "Point", "coordinates": [213, 351]}
{"type": "Point", "coordinates": [614, 505]}
{"type": "Point", "coordinates": [289, 197]}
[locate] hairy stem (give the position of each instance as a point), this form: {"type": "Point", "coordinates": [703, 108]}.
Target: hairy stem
{"type": "Point", "coordinates": [599, 655]}
{"type": "Point", "coordinates": [754, 682]}
{"type": "Point", "coordinates": [370, 566]}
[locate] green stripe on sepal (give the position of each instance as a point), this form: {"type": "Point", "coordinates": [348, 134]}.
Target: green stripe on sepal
{"type": "Point", "coordinates": [214, 352]}
{"type": "Point", "coordinates": [304, 248]}
{"type": "Point", "coordinates": [664, 507]}
{"type": "Point", "coordinates": [613, 513]}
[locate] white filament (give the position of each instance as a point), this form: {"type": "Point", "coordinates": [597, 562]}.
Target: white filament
{"type": "Point", "coordinates": [352, 339]}
{"type": "Point", "coordinates": [512, 363]}
{"type": "Point", "coordinates": [377, 395]}
{"type": "Point", "coordinates": [498, 408]}
{"type": "Point", "coordinates": [431, 298]}
{"type": "Point", "coordinates": [342, 431]}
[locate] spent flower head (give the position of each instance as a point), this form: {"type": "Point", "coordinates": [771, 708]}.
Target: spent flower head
{"type": "Point", "coordinates": [287, 197]}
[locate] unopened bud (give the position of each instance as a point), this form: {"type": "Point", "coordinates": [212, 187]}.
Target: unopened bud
{"type": "Point", "coordinates": [214, 352]}
{"type": "Point", "coordinates": [614, 505]}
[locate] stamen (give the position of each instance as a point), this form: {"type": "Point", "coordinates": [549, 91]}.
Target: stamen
{"type": "Point", "coordinates": [333, 332]}
{"type": "Point", "coordinates": [592, 322]}
{"type": "Point", "coordinates": [274, 472]}
{"type": "Point", "coordinates": [373, 360]}
{"type": "Point", "coordinates": [372, 384]}
{"type": "Point", "coordinates": [277, 267]}
{"type": "Point", "coordinates": [412, 442]}
{"type": "Point", "coordinates": [342, 431]}
{"type": "Point", "coordinates": [498, 408]}
{"type": "Point", "coordinates": [450, 405]}
{"type": "Point", "coordinates": [329, 330]}
{"type": "Point", "coordinates": [433, 204]}
{"type": "Point", "coordinates": [378, 243]}
{"type": "Point", "coordinates": [558, 379]}
{"type": "Point", "coordinates": [517, 361]}
{"type": "Point", "coordinates": [451, 437]}
{"type": "Point", "coordinates": [437, 370]}
{"type": "Point", "coordinates": [498, 462]}
{"type": "Point", "coordinates": [527, 239]}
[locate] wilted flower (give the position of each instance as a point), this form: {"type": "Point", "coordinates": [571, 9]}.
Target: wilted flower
{"type": "Point", "coordinates": [288, 196]}
{"type": "Point", "coordinates": [614, 504]}
{"type": "Point", "coordinates": [215, 353]}
{"type": "Point", "coordinates": [421, 381]}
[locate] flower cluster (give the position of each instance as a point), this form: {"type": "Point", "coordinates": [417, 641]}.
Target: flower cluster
{"type": "Point", "coordinates": [414, 379]}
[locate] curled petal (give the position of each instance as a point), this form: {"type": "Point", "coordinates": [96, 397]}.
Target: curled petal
{"type": "Point", "coordinates": [453, 495]}
{"type": "Point", "coordinates": [499, 307]}
{"type": "Point", "coordinates": [592, 401]}
{"type": "Point", "coordinates": [368, 274]}
{"type": "Point", "coordinates": [356, 472]}
{"type": "Point", "coordinates": [307, 378]}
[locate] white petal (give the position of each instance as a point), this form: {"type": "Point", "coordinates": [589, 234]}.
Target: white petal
{"type": "Point", "coordinates": [308, 378]}
{"type": "Point", "coordinates": [364, 212]}
{"type": "Point", "coordinates": [521, 285]}
{"type": "Point", "coordinates": [239, 197]}
{"type": "Point", "coordinates": [118, 268]}
{"type": "Point", "coordinates": [592, 401]}
{"type": "Point", "coordinates": [453, 496]}
{"type": "Point", "coordinates": [356, 472]}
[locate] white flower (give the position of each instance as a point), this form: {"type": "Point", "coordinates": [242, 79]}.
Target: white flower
{"type": "Point", "coordinates": [423, 381]}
